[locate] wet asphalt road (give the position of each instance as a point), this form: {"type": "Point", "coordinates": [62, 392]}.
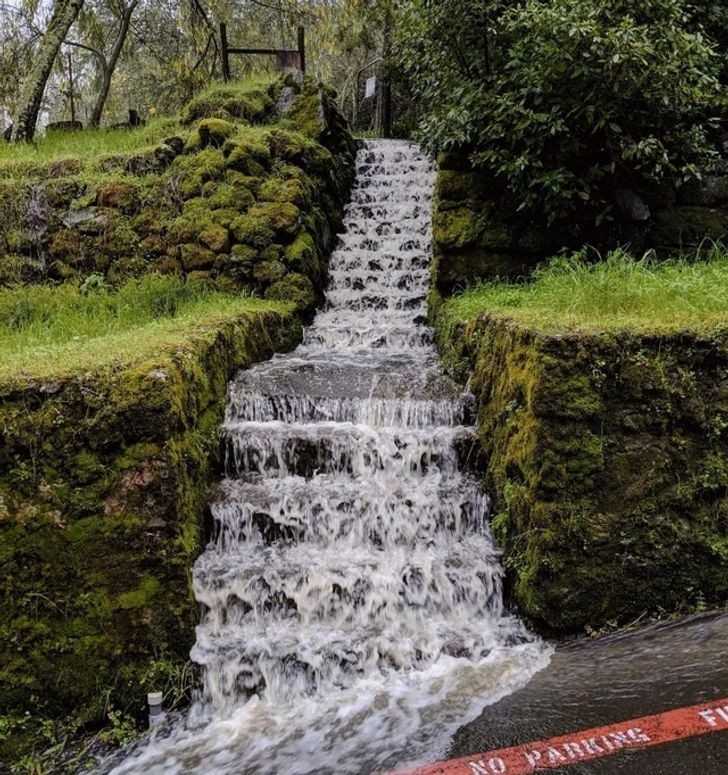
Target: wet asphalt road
{"type": "Point", "coordinates": [614, 679]}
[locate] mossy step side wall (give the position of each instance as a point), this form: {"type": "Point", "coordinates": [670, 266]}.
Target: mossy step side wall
{"type": "Point", "coordinates": [103, 481]}
{"type": "Point", "coordinates": [607, 456]}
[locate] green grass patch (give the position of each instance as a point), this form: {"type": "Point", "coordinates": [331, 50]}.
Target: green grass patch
{"type": "Point", "coordinates": [618, 293]}
{"type": "Point", "coordinates": [50, 331]}
{"type": "Point", "coordinates": [87, 144]}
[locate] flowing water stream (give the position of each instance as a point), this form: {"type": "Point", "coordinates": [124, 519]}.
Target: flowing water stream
{"type": "Point", "coordinates": [353, 614]}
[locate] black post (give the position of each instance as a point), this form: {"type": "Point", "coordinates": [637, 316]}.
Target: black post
{"type": "Point", "coordinates": [386, 95]}
{"type": "Point", "coordinates": [225, 52]}
{"type": "Point", "coordinates": [302, 49]}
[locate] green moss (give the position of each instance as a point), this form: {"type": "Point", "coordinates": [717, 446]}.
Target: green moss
{"type": "Point", "coordinates": [307, 113]}
{"type": "Point", "coordinates": [248, 152]}
{"type": "Point", "coordinates": [260, 225]}
{"type": "Point", "coordinates": [296, 288]}
{"type": "Point", "coordinates": [120, 194]}
{"type": "Point", "coordinates": [302, 255]}
{"type": "Point", "coordinates": [17, 269]}
{"type": "Point", "coordinates": [195, 257]}
{"type": "Point", "coordinates": [609, 484]}
{"type": "Point", "coordinates": [141, 597]}
{"type": "Point", "coordinates": [191, 172]}
{"type": "Point", "coordinates": [96, 551]}
{"type": "Point", "coordinates": [216, 238]}
{"type": "Point", "coordinates": [278, 190]}
{"type": "Point", "coordinates": [246, 101]}
{"type": "Point", "coordinates": [226, 196]}
{"type": "Point", "coordinates": [211, 132]}
{"type": "Point", "coordinates": [453, 186]}
{"type": "Point", "coordinates": [267, 272]}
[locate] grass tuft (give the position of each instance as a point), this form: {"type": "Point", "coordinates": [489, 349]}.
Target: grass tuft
{"type": "Point", "coordinates": [620, 292]}
{"type": "Point", "coordinates": [50, 331]}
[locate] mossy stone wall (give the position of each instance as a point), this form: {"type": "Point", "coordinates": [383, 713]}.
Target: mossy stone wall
{"type": "Point", "coordinates": [607, 457]}
{"type": "Point", "coordinates": [103, 481]}
{"type": "Point", "coordinates": [473, 237]}
{"type": "Point", "coordinates": [479, 234]}
{"type": "Point", "coordinates": [245, 195]}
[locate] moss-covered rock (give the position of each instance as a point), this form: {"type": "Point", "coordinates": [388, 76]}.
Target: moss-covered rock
{"type": "Point", "coordinates": [216, 238]}
{"type": "Point", "coordinates": [267, 272]}
{"type": "Point", "coordinates": [606, 455]}
{"type": "Point", "coordinates": [473, 239]}
{"type": "Point", "coordinates": [292, 190]}
{"type": "Point", "coordinates": [211, 132]}
{"type": "Point", "coordinates": [191, 171]}
{"type": "Point", "coordinates": [296, 288]}
{"type": "Point", "coordinates": [686, 227]}
{"type": "Point", "coordinates": [122, 195]}
{"type": "Point", "coordinates": [229, 182]}
{"type": "Point", "coordinates": [248, 153]}
{"type": "Point", "coordinates": [302, 255]}
{"type": "Point", "coordinates": [231, 101]}
{"type": "Point", "coordinates": [263, 222]}
{"type": "Point", "coordinates": [103, 480]}
{"type": "Point", "coordinates": [195, 257]}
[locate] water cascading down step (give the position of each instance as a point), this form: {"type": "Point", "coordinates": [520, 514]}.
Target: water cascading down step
{"type": "Point", "coordinates": [353, 614]}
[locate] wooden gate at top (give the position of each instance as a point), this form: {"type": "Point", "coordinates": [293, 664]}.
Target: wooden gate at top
{"type": "Point", "coordinates": [288, 58]}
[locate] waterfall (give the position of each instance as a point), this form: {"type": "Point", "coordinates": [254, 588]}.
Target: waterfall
{"type": "Point", "coordinates": [353, 614]}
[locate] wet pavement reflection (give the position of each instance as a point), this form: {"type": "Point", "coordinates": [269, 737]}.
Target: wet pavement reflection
{"type": "Point", "coordinates": [613, 679]}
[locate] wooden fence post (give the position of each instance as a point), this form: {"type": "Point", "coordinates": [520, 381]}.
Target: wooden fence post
{"type": "Point", "coordinates": [225, 52]}
{"type": "Point", "coordinates": [302, 49]}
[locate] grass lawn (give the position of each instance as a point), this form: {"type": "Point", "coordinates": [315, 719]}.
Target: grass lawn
{"type": "Point", "coordinates": [616, 294]}
{"type": "Point", "coordinates": [87, 144]}
{"type": "Point", "coordinates": [49, 332]}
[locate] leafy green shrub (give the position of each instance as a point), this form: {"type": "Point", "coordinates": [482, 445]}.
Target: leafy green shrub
{"type": "Point", "coordinates": [564, 101]}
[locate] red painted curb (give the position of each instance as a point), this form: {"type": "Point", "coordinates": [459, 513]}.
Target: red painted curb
{"type": "Point", "coordinates": [589, 744]}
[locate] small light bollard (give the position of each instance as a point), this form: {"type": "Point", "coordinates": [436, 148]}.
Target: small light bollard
{"type": "Point", "coordinates": [156, 714]}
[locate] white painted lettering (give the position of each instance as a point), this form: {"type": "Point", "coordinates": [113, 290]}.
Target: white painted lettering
{"type": "Point", "coordinates": [608, 743]}
{"type": "Point", "coordinates": [619, 739]}
{"type": "Point", "coordinates": [555, 756]}
{"type": "Point", "coordinates": [573, 750]}
{"type": "Point", "coordinates": [533, 757]}
{"type": "Point", "coordinates": [497, 766]}
{"type": "Point", "coordinates": [478, 768]}
{"type": "Point", "coordinates": [638, 735]}
{"type": "Point", "coordinates": [591, 747]}
{"type": "Point", "coordinates": [723, 713]}
{"type": "Point", "coordinates": [709, 717]}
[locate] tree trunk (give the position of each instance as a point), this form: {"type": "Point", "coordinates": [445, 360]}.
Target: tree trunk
{"type": "Point", "coordinates": [108, 70]}
{"type": "Point", "coordinates": [64, 15]}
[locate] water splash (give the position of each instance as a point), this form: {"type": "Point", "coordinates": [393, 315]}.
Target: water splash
{"type": "Point", "coordinates": [353, 611]}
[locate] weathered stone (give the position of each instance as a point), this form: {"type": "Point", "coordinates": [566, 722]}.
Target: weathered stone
{"type": "Point", "coordinates": [216, 238]}
{"type": "Point", "coordinates": [196, 257]}
{"type": "Point", "coordinates": [632, 206]}
{"type": "Point", "coordinates": [121, 195]}
{"type": "Point", "coordinates": [268, 272]}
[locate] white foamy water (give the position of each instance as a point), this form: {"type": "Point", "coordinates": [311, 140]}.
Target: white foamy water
{"type": "Point", "coordinates": [353, 610]}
